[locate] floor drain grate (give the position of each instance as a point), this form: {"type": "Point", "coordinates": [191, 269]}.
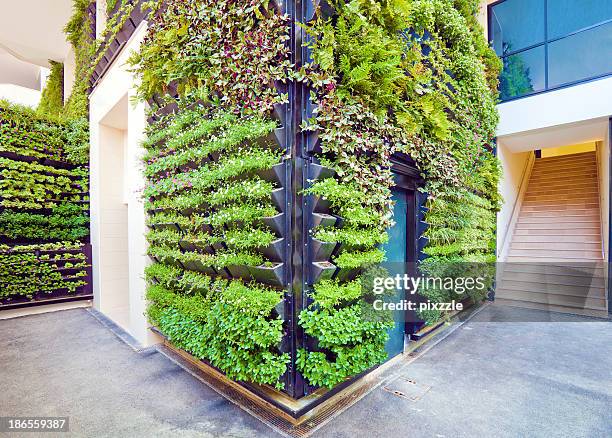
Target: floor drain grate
{"type": "Point", "coordinates": [407, 388]}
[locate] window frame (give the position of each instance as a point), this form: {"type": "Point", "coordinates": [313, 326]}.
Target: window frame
{"type": "Point", "coordinates": [545, 43]}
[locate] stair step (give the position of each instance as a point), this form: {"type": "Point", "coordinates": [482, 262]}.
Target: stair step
{"type": "Point", "coordinates": [552, 299]}
{"type": "Point", "coordinates": [561, 189]}
{"type": "Point", "coordinates": [560, 254]}
{"type": "Point", "coordinates": [545, 212]}
{"type": "Point", "coordinates": [569, 156]}
{"type": "Point", "coordinates": [576, 163]}
{"type": "Point", "coordinates": [584, 282]}
{"type": "Point", "coordinates": [572, 158]}
{"type": "Point", "coordinates": [530, 258]}
{"type": "Point", "coordinates": [552, 308]}
{"type": "Point", "coordinates": [556, 238]}
{"type": "Point", "coordinates": [541, 230]}
{"type": "Point", "coordinates": [581, 219]}
{"type": "Point", "coordinates": [578, 291]}
{"type": "Point", "coordinates": [572, 165]}
{"type": "Point", "coordinates": [563, 197]}
{"type": "Point", "coordinates": [573, 228]}
{"type": "Point", "coordinates": [584, 169]}
{"type": "Point", "coordinates": [563, 177]}
{"type": "Point", "coordinates": [560, 203]}
{"type": "Point", "coordinates": [563, 207]}
{"type": "Point", "coordinates": [553, 246]}
{"type": "Point", "coordinates": [591, 271]}
{"type": "Point", "coordinates": [593, 211]}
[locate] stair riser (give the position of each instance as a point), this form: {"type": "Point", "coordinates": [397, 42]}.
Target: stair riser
{"type": "Point", "coordinates": [555, 300]}
{"type": "Point", "coordinates": [593, 292]}
{"type": "Point", "coordinates": [567, 260]}
{"type": "Point", "coordinates": [567, 213]}
{"type": "Point", "coordinates": [586, 220]}
{"type": "Point", "coordinates": [560, 204]}
{"type": "Point", "coordinates": [551, 308]}
{"type": "Point", "coordinates": [594, 287]}
{"type": "Point", "coordinates": [574, 254]}
{"type": "Point", "coordinates": [594, 273]}
{"type": "Point", "coordinates": [573, 229]}
{"type": "Point", "coordinates": [586, 170]}
{"type": "Point", "coordinates": [562, 190]}
{"type": "Point", "coordinates": [577, 165]}
{"type": "Point", "coordinates": [557, 246]}
{"type": "Point", "coordinates": [564, 177]}
{"type": "Point", "coordinates": [572, 157]}
{"type": "Point", "coordinates": [591, 196]}
{"type": "Point", "coordinates": [562, 208]}
{"type": "Point", "coordinates": [544, 238]}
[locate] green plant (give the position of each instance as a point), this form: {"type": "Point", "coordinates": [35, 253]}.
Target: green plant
{"type": "Point", "coordinates": [408, 76]}
{"type": "Point", "coordinates": [52, 97]}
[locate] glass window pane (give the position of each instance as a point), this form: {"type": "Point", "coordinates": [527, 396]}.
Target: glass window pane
{"type": "Point", "coordinates": [516, 24]}
{"type": "Point", "coordinates": [581, 56]}
{"type": "Point", "coordinates": [567, 16]}
{"type": "Point", "coordinates": [523, 73]}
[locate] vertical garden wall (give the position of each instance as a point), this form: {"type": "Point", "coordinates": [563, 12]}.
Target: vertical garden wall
{"type": "Point", "coordinates": [45, 256]}
{"type": "Point", "coordinates": [44, 209]}
{"type": "Point", "coordinates": [273, 128]}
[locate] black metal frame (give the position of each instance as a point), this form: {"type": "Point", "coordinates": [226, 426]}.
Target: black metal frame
{"type": "Point", "coordinates": [300, 168]}
{"type": "Point", "coordinates": [545, 43]}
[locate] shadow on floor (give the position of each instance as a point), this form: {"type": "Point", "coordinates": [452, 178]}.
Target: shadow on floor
{"type": "Point", "coordinates": [502, 379]}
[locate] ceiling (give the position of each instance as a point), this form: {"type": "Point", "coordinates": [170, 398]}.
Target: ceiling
{"type": "Point", "coordinates": [557, 136]}
{"type": "Point", "coordinates": [32, 29]}
{"type": "Point", "coordinates": [17, 72]}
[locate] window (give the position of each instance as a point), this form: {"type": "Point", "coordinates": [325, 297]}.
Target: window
{"type": "Point", "coordinates": [546, 44]}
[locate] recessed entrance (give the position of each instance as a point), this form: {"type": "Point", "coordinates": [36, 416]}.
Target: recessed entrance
{"type": "Point", "coordinates": [113, 289]}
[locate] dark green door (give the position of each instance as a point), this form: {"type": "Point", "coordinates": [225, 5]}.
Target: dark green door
{"type": "Point", "coordinates": [396, 253]}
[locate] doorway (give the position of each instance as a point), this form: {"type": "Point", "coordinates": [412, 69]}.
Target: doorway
{"type": "Point", "coordinates": [401, 256]}
{"type": "Point", "coordinates": [113, 297]}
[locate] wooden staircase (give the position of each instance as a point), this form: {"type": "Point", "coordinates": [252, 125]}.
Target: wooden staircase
{"type": "Point", "coordinates": [555, 261]}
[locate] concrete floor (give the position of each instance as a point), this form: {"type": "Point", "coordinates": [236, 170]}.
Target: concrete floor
{"type": "Point", "coordinates": [502, 379]}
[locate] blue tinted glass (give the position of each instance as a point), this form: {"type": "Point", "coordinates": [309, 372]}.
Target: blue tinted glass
{"type": "Point", "coordinates": [523, 73]}
{"type": "Point", "coordinates": [567, 16]}
{"type": "Point", "coordinates": [516, 24]}
{"type": "Point", "coordinates": [395, 250]}
{"type": "Point", "coordinates": [581, 56]}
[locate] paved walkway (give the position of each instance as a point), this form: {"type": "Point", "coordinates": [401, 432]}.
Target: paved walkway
{"type": "Point", "coordinates": [501, 379]}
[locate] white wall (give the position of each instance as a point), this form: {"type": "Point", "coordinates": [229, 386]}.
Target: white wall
{"type": "Point", "coordinates": [515, 175]}
{"type": "Point", "coordinates": [111, 243]}
{"type": "Point", "coordinates": [588, 101]}
{"type": "Point", "coordinates": [100, 17]}
{"type": "Point", "coordinates": [107, 109]}
{"type": "Point", "coordinates": [21, 95]}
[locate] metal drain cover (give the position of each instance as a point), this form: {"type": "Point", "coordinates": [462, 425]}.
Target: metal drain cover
{"type": "Point", "coordinates": [407, 388]}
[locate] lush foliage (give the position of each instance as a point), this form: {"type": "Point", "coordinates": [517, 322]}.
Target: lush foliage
{"type": "Point", "coordinates": [52, 97]}
{"type": "Point", "coordinates": [44, 197]}
{"type": "Point", "coordinates": [24, 132]}
{"type": "Point", "coordinates": [226, 322]}
{"type": "Point", "coordinates": [36, 270]}
{"type": "Point", "coordinates": [386, 77]}
{"type": "Point", "coordinates": [405, 76]}
{"type": "Point", "coordinates": [209, 189]}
